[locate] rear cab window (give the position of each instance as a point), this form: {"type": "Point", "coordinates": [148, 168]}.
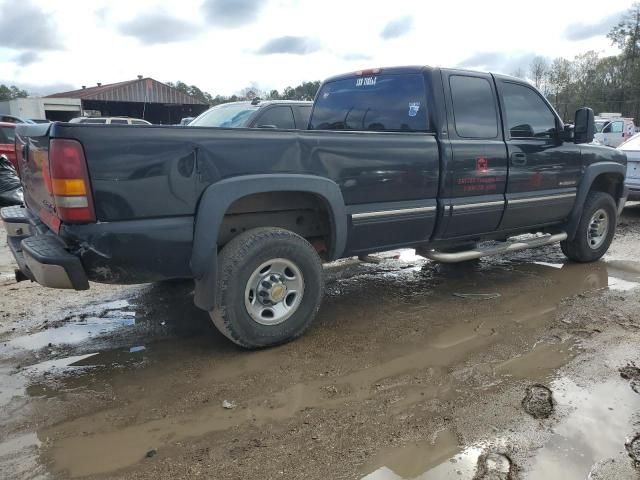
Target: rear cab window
{"type": "Point", "coordinates": [385, 103]}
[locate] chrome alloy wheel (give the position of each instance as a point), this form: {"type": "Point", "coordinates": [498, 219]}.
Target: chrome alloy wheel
{"type": "Point", "coordinates": [598, 229]}
{"type": "Point", "coordinates": [274, 291]}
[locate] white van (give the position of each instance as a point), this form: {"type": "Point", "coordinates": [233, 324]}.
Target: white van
{"type": "Point", "coordinates": [614, 130]}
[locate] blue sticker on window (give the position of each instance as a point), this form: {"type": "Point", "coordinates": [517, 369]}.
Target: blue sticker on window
{"type": "Point", "coordinates": [413, 108]}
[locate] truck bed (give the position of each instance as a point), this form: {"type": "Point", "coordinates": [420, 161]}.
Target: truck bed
{"type": "Point", "coordinates": [158, 171]}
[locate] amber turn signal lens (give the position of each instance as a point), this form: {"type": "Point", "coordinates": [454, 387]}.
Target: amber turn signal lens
{"type": "Point", "coordinates": [68, 186]}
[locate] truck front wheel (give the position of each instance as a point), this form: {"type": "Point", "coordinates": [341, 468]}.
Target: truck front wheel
{"type": "Point", "coordinates": [270, 286]}
{"type": "Point", "coordinates": [595, 231]}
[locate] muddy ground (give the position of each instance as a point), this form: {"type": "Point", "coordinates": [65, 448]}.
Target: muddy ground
{"type": "Point", "coordinates": [520, 366]}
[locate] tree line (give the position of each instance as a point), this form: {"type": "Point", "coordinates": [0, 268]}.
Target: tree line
{"type": "Point", "coordinates": [11, 92]}
{"type": "Point", "coordinates": [606, 84]}
{"type": "Point", "coordinates": [304, 91]}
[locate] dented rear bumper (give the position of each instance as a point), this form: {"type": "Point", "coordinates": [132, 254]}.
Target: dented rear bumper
{"type": "Point", "coordinates": [126, 252]}
{"type": "Point", "coordinates": [41, 256]}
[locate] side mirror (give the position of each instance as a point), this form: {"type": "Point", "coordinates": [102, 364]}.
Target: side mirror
{"type": "Point", "coordinates": [567, 133]}
{"type": "Point", "coordinates": [585, 126]}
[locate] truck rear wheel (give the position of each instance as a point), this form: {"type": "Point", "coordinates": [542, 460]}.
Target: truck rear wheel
{"type": "Point", "coordinates": [595, 231]}
{"type": "Point", "coordinates": [270, 286]}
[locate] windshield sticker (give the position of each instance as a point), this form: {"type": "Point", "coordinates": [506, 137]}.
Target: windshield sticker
{"type": "Point", "coordinates": [413, 108]}
{"type": "Point", "coordinates": [366, 81]}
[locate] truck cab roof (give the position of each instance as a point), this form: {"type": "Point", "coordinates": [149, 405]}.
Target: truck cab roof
{"type": "Point", "coordinates": [399, 70]}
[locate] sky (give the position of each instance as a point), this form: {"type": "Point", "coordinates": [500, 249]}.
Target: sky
{"type": "Point", "coordinates": [223, 46]}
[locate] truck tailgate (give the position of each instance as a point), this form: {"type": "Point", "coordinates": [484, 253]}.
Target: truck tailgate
{"type": "Point", "coordinates": [32, 148]}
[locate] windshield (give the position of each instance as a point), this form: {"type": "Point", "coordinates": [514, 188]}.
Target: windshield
{"type": "Point", "coordinates": [225, 116]}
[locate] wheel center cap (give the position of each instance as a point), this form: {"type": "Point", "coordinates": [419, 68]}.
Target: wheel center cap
{"type": "Point", "coordinates": [277, 293]}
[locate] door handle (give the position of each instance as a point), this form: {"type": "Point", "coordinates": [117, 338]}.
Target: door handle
{"type": "Point", "coordinates": [518, 159]}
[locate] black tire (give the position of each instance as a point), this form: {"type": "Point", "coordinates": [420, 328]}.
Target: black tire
{"type": "Point", "coordinates": [579, 248]}
{"type": "Point", "coordinates": [237, 263]}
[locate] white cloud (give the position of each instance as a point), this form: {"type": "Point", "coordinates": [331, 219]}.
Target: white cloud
{"type": "Point", "coordinates": [220, 53]}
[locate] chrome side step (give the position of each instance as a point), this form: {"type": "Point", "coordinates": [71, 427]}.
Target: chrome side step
{"type": "Point", "coordinates": [506, 247]}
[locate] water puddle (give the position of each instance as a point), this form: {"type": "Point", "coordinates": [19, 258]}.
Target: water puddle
{"type": "Point", "coordinates": [59, 365]}
{"type": "Point", "coordinates": [588, 442]}
{"type": "Point", "coordinates": [601, 418]}
{"type": "Point", "coordinates": [440, 459]}
{"type": "Point", "coordinates": [623, 275]}
{"type": "Point", "coordinates": [88, 323]}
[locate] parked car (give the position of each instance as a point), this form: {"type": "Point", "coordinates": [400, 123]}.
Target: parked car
{"type": "Point", "coordinates": [13, 119]}
{"type": "Point", "coordinates": [110, 120]}
{"type": "Point", "coordinates": [7, 145]}
{"type": "Point", "coordinates": [283, 114]}
{"type": "Point", "coordinates": [632, 149]}
{"type": "Point", "coordinates": [429, 158]}
{"type": "Point", "coordinates": [40, 120]}
{"type": "Point", "coordinates": [186, 120]}
{"type": "Point", "coordinates": [614, 129]}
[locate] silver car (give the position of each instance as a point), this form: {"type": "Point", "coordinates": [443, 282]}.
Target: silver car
{"type": "Point", "coordinates": [632, 148]}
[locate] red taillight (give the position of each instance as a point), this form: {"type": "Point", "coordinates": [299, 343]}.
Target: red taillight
{"type": "Point", "coordinates": [70, 181]}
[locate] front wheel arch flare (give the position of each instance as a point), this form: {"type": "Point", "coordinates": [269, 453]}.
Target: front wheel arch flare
{"type": "Point", "coordinates": [590, 175]}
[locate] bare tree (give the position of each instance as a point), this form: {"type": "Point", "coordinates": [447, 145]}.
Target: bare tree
{"type": "Point", "coordinates": [559, 76]}
{"type": "Point", "coordinates": [538, 71]}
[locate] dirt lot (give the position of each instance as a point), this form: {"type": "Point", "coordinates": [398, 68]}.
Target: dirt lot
{"type": "Point", "coordinates": [512, 367]}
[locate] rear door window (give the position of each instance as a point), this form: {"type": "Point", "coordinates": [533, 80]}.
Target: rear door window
{"type": "Point", "coordinates": [276, 117]}
{"type": "Point", "coordinates": [388, 103]}
{"type": "Point", "coordinates": [474, 107]}
{"type": "Point", "coordinates": [119, 121]}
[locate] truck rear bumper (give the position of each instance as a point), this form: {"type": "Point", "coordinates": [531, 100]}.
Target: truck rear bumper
{"type": "Point", "coordinates": [40, 255]}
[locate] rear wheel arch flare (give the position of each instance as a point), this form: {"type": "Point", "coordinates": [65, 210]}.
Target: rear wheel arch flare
{"type": "Point", "coordinates": [219, 196]}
